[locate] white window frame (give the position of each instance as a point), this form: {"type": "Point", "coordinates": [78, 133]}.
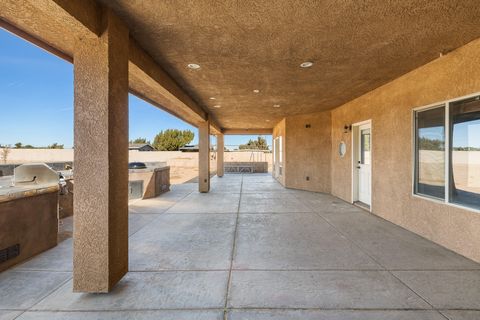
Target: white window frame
{"type": "Point", "coordinates": [277, 163]}
{"type": "Point", "coordinates": [446, 104]}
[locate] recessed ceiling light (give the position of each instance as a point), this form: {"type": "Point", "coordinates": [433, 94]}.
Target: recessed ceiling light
{"type": "Point", "coordinates": [267, 120]}
{"type": "Point", "coordinates": [276, 106]}
{"type": "Point", "coordinates": [256, 91]}
{"type": "Point", "coordinates": [217, 106]}
{"type": "Point", "coordinates": [212, 98]}
{"type": "Point", "coordinates": [306, 64]}
{"type": "Point", "coordinates": [193, 66]}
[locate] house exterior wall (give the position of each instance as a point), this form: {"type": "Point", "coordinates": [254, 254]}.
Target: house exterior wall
{"type": "Point", "coordinates": [314, 151]}
{"type": "Point", "coordinates": [308, 152]}
{"type": "Point", "coordinates": [390, 109]}
{"type": "Point", "coordinates": [146, 148]}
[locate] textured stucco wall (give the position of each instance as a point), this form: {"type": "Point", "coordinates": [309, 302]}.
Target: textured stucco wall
{"type": "Point", "coordinates": [155, 182]}
{"type": "Point", "coordinates": [65, 201]}
{"type": "Point", "coordinates": [101, 158]}
{"type": "Point", "coordinates": [256, 167]}
{"type": "Point", "coordinates": [308, 152]}
{"type": "Point", "coordinates": [31, 222]}
{"type": "Point", "coordinates": [171, 157]}
{"type": "Point", "coordinates": [390, 109]}
{"type": "Point", "coordinates": [204, 157]}
{"type": "Point", "coordinates": [39, 155]}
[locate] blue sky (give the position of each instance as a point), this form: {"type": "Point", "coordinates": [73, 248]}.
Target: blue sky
{"type": "Point", "coordinates": [464, 134]}
{"type": "Point", "coordinates": [467, 134]}
{"type": "Point", "coordinates": [36, 100]}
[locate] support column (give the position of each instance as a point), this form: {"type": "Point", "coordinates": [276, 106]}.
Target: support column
{"type": "Point", "coordinates": [220, 150]}
{"type": "Point", "coordinates": [101, 158]}
{"type": "Point", "coordinates": [204, 157]}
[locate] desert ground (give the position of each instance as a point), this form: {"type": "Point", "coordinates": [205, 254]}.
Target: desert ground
{"type": "Point", "coordinates": [466, 169]}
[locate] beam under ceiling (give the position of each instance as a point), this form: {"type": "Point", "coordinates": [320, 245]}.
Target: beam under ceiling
{"type": "Point", "coordinates": [84, 18]}
{"type": "Point", "coordinates": [247, 131]}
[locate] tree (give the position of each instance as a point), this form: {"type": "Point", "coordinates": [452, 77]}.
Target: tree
{"type": "Point", "coordinates": [140, 141]}
{"type": "Point", "coordinates": [55, 146]}
{"type": "Point", "coordinates": [431, 144]}
{"type": "Point", "coordinates": [28, 146]}
{"type": "Point", "coordinates": [466, 149]}
{"type": "Point", "coordinates": [172, 139]}
{"type": "Point", "coordinates": [18, 145]}
{"type": "Point", "coordinates": [5, 151]}
{"type": "Point", "coordinates": [259, 144]}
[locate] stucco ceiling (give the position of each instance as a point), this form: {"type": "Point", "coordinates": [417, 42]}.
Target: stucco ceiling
{"type": "Point", "coordinates": [245, 45]}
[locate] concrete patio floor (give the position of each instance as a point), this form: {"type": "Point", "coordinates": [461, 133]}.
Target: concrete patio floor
{"type": "Point", "coordinates": [251, 249]}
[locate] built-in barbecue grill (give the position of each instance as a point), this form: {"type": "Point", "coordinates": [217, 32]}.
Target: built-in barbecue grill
{"type": "Point", "coordinates": [137, 165]}
{"type": "Point", "coordinates": [28, 179]}
{"type": "Point", "coordinates": [35, 175]}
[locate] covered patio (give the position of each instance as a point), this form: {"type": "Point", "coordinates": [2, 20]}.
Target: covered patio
{"type": "Point", "coordinates": [252, 249]}
{"type": "Point", "coordinates": [368, 103]}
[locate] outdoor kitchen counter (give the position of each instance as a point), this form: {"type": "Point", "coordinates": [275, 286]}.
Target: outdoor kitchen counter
{"type": "Point", "coordinates": [11, 193]}
{"type": "Point", "coordinates": [28, 222]}
{"type": "Point", "coordinates": [155, 180]}
{"type": "Point", "coordinates": [149, 169]}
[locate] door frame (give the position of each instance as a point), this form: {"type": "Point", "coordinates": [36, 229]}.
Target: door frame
{"type": "Point", "coordinates": [276, 157]}
{"type": "Point", "coordinates": [355, 156]}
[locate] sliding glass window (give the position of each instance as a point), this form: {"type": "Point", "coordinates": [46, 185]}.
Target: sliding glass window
{"type": "Point", "coordinates": [459, 134]}
{"type": "Point", "coordinates": [430, 152]}
{"type": "Point", "coordinates": [465, 152]}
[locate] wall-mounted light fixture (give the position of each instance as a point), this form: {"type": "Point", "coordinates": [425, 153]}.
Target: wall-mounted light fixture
{"type": "Point", "coordinates": [347, 128]}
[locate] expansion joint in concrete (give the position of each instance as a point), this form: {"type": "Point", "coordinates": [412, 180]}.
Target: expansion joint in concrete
{"type": "Point", "coordinates": [234, 247]}
{"type": "Point", "coordinates": [375, 260]}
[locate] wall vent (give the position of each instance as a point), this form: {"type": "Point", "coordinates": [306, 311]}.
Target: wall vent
{"type": "Point", "coordinates": [9, 253]}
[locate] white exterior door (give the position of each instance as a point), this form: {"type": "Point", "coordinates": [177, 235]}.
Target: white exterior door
{"type": "Point", "coordinates": [364, 164]}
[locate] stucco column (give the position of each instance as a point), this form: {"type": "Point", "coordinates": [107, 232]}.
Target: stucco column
{"type": "Point", "coordinates": [204, 156]}
{"type": "Point", "coordinates": [220, 150]}
{"type": "Point", "coordinates": [101, 158]}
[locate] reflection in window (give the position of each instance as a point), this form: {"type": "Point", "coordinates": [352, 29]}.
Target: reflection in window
{"type": "Point", "coordinates": [365, 145]}
{"type": "Point", "coordinates": [430, 152]}
{"type": "Point", "coordinates": [465, 152]}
